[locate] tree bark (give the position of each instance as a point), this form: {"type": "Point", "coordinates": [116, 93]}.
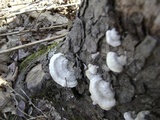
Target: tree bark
{"type": "Point", "coordinates": [137, 88]}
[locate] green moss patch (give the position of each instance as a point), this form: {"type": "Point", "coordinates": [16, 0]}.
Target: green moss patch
{"type": "Point", "coordinates": [36, 55]}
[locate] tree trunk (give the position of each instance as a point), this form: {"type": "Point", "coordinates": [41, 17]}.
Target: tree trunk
{"type": "Point", "coordinates": [137, 87]}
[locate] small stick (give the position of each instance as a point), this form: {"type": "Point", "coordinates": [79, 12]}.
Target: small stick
{"type": "Point", "coordinates": [32, 30]}
{"type": "Point", "coordinates": [31, 44]}
{"type": "Point", "coordinates": [30, 102]}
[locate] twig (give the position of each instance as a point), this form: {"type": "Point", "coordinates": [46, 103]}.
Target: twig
{"type": "Point", "coordinates": [35, 22]}
{"type": "Point", "coordinates": [67, 5]}
{"type": "Point", "coordinates": [33, 104]}
{"type": "Point", "coordinates": [15, 4]}
{"type": "Point", "coordinates": [32, 30]}
{"type": "Point", "coordinates": [30, 117]}
{"type": "Point", "coordinates": [14, 97]}
{"type": "Point", "coordinates": [16, 93]}
{"type": "Point", "coordinates": [31, 44]}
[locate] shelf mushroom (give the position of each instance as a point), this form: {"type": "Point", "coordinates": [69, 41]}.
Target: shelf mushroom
{"type": "Point", "coordinates": [101, 91]}
{"type": "Point", "coordinates": [61, 71]}
{"type": "Point", "coordinates": [113, 38]}
{"type": "Point", "coordinates": [115, 63]}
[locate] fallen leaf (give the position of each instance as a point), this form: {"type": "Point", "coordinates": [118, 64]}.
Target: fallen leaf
{"type": "Point", "coordinates": [20, 108]}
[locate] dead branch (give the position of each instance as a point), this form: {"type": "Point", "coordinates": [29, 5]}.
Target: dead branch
{"type": "Point", "coordinates": [32, 30]}
{"type": "Point", "coordinates": [31, 44]}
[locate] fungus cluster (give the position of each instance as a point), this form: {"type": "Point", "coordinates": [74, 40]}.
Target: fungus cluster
{"type": "Point", "coordinates": [101, 91]}
{"type": "Point", "coordinates": [115, 63]}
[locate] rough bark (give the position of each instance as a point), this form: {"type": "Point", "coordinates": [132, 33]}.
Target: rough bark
{"type": "Point", "coordinates": [137, 87]}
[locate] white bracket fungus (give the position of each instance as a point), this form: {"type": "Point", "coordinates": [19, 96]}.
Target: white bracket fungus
{"type": "Point", "coordinates": [101, 91]}
{"type": "Point", "coordinates": [114, 62]}
{"type": "Point", "coordinates": [113, 38]}
{"type": "Point", "coordinates": [131, 115]}
{"type": "Point", "coordinates": [61, 72]}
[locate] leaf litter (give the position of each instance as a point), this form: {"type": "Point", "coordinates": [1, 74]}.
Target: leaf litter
{"type": "Point", "coordinates": [21, 24]}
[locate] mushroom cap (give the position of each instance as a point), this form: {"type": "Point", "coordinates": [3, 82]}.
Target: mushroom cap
{"type": "Point", "coordinates": [61, 72]}
{"type": "Point", "coordinates": [102, 94]}
{"type": "Point", "coordinates": [114, 62]}
{"type": "Point", "coordinates": [113, 38]}
{"type": "Point", "coordinates": [101, 91]}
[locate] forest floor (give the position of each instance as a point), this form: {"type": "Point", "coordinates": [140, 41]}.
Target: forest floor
{"type": "Point", "coordinates": [28, 32]}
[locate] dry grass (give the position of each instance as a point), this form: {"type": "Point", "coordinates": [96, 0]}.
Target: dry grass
{"type": "Point", "coordinates": [8, 3]}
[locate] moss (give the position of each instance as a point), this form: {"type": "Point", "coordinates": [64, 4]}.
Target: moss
{"type": "Point", "coordinates": [36, 55]}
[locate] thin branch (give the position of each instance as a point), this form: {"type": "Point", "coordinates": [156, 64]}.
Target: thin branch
{"type": "Point", "coordinates": [31, 44]}
{"type": "Point", "coordinates": [33, 104]}
{"type": "Point", "coordinates": [14, 97]}
{"type": "Point", "coordinates": [30, 117]}
{"type": "Point", "coordinates": [16, 93]}
{"type": "Point", "coordinates": [32, 30]}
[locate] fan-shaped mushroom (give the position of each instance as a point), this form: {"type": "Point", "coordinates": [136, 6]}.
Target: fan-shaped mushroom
{"type": "Point", "coordinates": [61, 71]}
{"type": "Point", "coordinates": [113, 38]}
{"type": "Point", "coordinates": [115, 62]}
{"type": "Point", "coordinates": [101, 91]}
